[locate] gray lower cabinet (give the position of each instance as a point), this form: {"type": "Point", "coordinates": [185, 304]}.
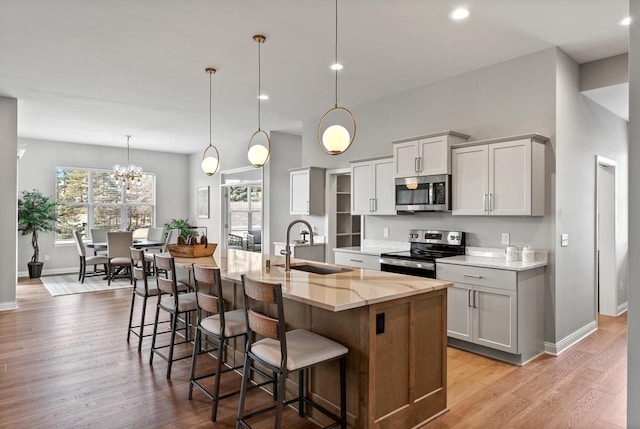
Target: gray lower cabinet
{"type": "Point", "coordinates": [357, 260]}
{"type": "Point", "coordinates": [499, 313]}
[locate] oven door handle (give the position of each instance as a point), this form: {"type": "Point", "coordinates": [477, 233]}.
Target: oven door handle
{"type": "Point", "coordinates": [408, 264]}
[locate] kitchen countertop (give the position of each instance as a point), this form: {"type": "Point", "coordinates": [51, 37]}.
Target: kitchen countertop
{"type": "Point", "coordinates": [282, 243]}
{"type": "Point", "coordinates": [355, 288]}
{"type": "Point", "coordinates": [487, 262]}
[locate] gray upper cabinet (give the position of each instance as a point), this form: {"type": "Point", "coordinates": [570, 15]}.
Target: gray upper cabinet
{"type": "Point", "coordinates": [500, 177]}
{"type": "Point", "coordinates": [424, 155]}
{"type": "Point", "coordinates": [306, 191]}
{"type": "Point", "coordinates": [372, 188]}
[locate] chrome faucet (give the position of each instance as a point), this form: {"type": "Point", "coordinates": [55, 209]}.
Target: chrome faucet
{"type": "Point", "coordinates": [287, 250]}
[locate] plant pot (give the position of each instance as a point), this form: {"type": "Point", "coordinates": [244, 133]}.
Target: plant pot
{"type": "Point", "coordinates": [35, 269]}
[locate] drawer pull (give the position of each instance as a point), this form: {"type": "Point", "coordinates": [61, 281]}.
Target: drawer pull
{"type": "Point", "coordinates": [473, 277]}
{"type": "Point", "coordinates": [355, 260]}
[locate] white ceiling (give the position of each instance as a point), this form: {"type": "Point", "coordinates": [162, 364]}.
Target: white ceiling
{"type": "Point", "coordinates": [91, 72]}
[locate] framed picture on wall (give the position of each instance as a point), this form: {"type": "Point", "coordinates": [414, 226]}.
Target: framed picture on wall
{"type": "Point", "coordinates": [203, 202]}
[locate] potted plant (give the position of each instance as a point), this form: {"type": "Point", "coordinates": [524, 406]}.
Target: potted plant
{"type": "Point", "coordinates": [36, 213]}
{"type": "Point", "coordinates": [186, 230]}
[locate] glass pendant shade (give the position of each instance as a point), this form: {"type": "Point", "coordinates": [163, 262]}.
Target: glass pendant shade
{"type": "Point", "coordinates": [210, 157]}
{"type": "Point", "coordinates": [258, 155]}
{"type": "Point", "coordinates": [335, 139]}
{"type": "Point", "coordinates": [210, 162]}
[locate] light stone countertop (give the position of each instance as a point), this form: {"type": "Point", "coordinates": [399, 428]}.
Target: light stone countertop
{"type": "Point", "coordinates": [334, 292]}
{"type": "Point", "coordinates": [488, 262]}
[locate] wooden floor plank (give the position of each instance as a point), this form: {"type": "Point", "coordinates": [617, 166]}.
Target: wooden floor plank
{"type": "Point", "coordinates": [65, 362]}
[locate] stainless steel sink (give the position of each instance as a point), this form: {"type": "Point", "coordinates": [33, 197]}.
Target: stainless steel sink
{"type": "Point", "coordinates": [318, 269]}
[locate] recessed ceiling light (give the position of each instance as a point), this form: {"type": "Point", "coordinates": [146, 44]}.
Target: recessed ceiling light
{"type": "Point", "coordinates": [625, 21]}
{"type": "Point", "coordinates": [459, 14]}
{"type": "Point", "coordinates": [336, 66]}
{"type": "Point", "coordinates": [263, 97]}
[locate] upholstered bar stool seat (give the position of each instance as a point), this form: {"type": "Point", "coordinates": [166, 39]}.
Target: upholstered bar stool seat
{"type": "Point", "coordinates": [304, 348]}
{"type": "Point", "coordinates": [186, 302]}
{"type": "Point", "coordinates": [235, 323]}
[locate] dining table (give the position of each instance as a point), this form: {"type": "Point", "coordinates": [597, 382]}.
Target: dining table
{"type": "Point", "coordinates": [138, 243]}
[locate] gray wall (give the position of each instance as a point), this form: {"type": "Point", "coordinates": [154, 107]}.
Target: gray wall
{"type": "Point", "coordinates": [8, 217]}
{"type": "Point", "coordinates": [633, 321]}
{"type": "Point", "coordinates": [198, 178]}
{"type": "Point", "coordinates": [286, 153]}
{"type": "Point", "coordinates": [584, 129]}
{"type": "Point", "coordinates": [36, 170]}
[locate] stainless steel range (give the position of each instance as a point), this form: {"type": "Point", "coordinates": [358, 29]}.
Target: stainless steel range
{"type": "Point", "coordinates": [426, 247]}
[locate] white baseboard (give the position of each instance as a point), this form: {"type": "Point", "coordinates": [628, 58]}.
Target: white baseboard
{"type": "Point", "coordinates": [51, 272]}
{"type": "Point", "coordinates": [556, 348]}
{"type": "Point", "coordinates": [11, 305]}
{"type": "Point", "coordinates": [622, 308]}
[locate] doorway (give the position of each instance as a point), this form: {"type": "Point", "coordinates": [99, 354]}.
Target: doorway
{"type": "Point", "coordinates": [606, 278]}
{"type": "Point", "coordinates": [242, 208]}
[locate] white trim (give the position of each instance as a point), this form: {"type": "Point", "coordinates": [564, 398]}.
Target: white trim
{"type": "Point", "coordinates": [556, 348]}
{"type": "Point", "coordinates": [601, 161]}
{"type": "Point", "coordinates": [6, 306]}
{"type": "Point", "coordinates": [622, 308]}
{"type": "Point", "coordinates": [53, 271]}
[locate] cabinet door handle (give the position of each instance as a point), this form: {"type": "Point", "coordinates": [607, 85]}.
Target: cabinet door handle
{"type": "Point", "coordinates": [490, 205]}
{"type": "Point", "coordinates": [469, 298]}
{"type": "Point", "coordinates": [415, 165]}
{"type": "Point", "coordinates": [475, 296]}
{"type": "Point", "coordinates": [420, 164]}
{"type": "Point", "coordinates": [355, 260]}
{"type": "Point", "coordinates": [484, 201]}
{"type": "Point", "coordinates": [375, 204]}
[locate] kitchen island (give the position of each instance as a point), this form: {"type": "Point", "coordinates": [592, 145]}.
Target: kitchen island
{"type": "Point", "coordinates": [394, 326]}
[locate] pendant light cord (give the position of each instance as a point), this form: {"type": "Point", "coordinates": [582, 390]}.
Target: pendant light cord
{"type": "Point", "coordinates": [336, 54]}
{"type": "Point", "coordinates": [128, 160]}
{"type": "Point", "coordinates": [210, 109]}
{"type": "Point", "coordinates": [259, 93]}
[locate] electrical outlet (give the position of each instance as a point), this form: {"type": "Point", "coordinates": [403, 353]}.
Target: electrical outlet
{"type": "Point", "coordinates": [505, 238]}
{"type": "Point", "coordinates": [385, 232]}
{"type": "Point", "coordinates": [46, 258]}
{"type": "Point", "coordinates": [564, 240]}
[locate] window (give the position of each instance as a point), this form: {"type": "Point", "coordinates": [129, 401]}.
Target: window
{"type": "Point", "coordinates": [245, 208]}
{"type": "Point", "coordinates": [89, 198]}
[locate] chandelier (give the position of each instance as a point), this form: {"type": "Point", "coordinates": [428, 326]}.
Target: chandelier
{"type": "Point", "coordinates": [126, 175]}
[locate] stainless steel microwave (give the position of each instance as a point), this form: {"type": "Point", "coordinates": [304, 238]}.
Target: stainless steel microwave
{"type": "Point", "coordinates": [423, 193]}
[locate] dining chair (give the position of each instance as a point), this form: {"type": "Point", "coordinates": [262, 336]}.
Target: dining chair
{"type": "Point", "coordinates": [284, 352]}
{"type": "Point", "coordinates": [143, 288]}
{"type": "Point", "coordinates": [99, 235]}
{"type": "Point", "coordinates": [214, 327]}
{"type": "Point", "coordinates": [155, 234]}
{"type": "Point", "coordinates": [86, 260]}
{"type": "Point", "coordinates": [175, 304]}
{"type": "Point", "coordinates": [118, 244]}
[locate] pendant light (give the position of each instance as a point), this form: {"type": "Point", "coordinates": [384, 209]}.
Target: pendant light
{"type": "Point", "coordinates": [259, 152]}
{"type": "Point", "coordinates": [335, 139]}
{"type": "Point", "coordinates": [127, 174]}
{"type": "Point", "coordinates": [210, 160]}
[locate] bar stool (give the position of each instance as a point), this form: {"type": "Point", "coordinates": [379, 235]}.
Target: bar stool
{"type": "Point", "coordinates": [284, 352]}
{"type": "Point", "coordinates": [220, 326]}
{"type": "Point", "coordinates": [144, 289]}
{"type": "Point", "coordinates": [175, 304]}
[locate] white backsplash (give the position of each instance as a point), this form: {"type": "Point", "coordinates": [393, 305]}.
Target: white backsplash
{"type": "Point", "coordinates": [386, 245]}
{"type": "Point", "coordinates": [493, 252]}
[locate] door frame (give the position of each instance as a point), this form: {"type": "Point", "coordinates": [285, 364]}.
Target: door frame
{"type": "Point", "coordinates": [601, 161]}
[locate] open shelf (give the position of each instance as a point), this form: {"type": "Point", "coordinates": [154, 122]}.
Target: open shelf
{"type": "Point", "coordinates": [347, 226]}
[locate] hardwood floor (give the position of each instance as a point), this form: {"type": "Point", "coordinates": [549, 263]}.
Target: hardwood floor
{"type": "Point", "coordinates": [65, 363]}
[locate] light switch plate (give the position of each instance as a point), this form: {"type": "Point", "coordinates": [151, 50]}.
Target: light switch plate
{"type": "Point", "coordinates": [564, 240]}
{"type": "Point", "coordinates": [385, 232]}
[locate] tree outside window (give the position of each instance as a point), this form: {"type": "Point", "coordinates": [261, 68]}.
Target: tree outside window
{"type": "Point", "coordinates": [89, 198]}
